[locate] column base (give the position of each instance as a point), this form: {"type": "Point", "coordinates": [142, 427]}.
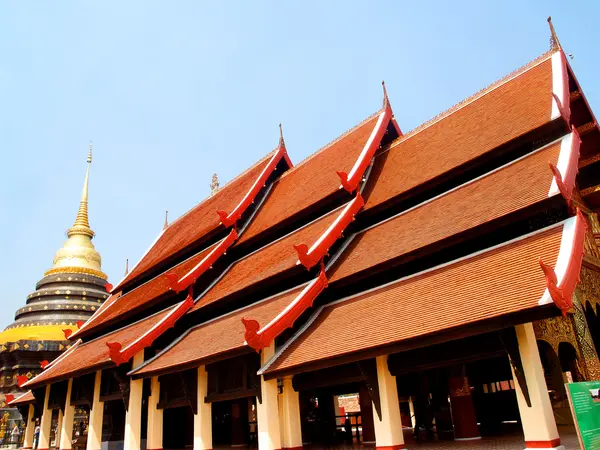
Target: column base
{"type": "Point", "coordinates": [554, 444]}
{"type": "Point", "coordinates": [391, 447]}
{"type": "Point", "coordinates": [560, 447]}
{"type": "Point", "coordinates": [292, 448]}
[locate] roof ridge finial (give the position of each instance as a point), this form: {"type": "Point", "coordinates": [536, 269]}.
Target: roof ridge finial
{"type": "Point", "coordinates": [386, 100]}
{"type": "Point", "coordinates": [126, 266]}
{"type": "Point", "coordinates": [166, 225]}
{"type": "Point", "coordinates": [281, 140]}
{"type": "Point", "coordinates": [214, 184]}
{"type": "Point", "coordinates": [82, 223]}
{"type": "Point", "coordinates": [554, 42]}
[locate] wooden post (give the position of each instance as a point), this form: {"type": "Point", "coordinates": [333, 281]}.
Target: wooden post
{"type": "Point", "coordinates": [29, 430]}
{"type": "Point", "coordinates": [203, 419]}
{"type": "Point", "coordinates": [538, 422]}
{"type": "Point", "coordinates": [291, 428]}
{"type": "Point", "coordinates": [133, 416]}
{"type": "Point", "coordinates": [45, 423]}
{"type": "Point", "coordinates": [66, 429]}
{"type": "Point", "coordinates": [94, 440]}
{"type": "Point", "coordinates": [388, 429]}
{"type": "Point", "coordinates": [155, 417]}
{"type": "Point", "coordinates": [267, 412]}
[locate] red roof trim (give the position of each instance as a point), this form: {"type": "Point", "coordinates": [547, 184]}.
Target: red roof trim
{"type": "Point", "coordinates": [230, 219]}
{"type": "Point", "coordinates": [188, 279]}
{"type": "Point", "coordinates": [565, 179]}
{"type": "Point", "coordinates": [311, 257]}
{"type": "Point", "coordinates": [562, 292]}
{"type": "Point", "coordinates": [351, 180]}
{"type": "Point", "coordinates": [120, 355]}
{"type": "Point", "coordinates": [260, 338]}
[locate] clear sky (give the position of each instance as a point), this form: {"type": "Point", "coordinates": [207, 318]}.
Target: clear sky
{"type": "Point", "coordinates": [172, 91]}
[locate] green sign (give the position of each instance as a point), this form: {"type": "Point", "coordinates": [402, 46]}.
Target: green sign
{"type": "Point", "coordinates": [584, 398]}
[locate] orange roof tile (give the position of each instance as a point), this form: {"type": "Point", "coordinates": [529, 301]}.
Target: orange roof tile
{"type": "Point", "coordinates": [487, 285]}
{"type": "Point", "coordinates": [142, 295]}
{"type": "Point", "coordinates": [312, 180]}
{"type": "Point", "coordinates": [214, 338]}
{"type": "Point", "coordinates": [270, 260]}
{"type": "Point", "coordinates": [512, 187]}
{"type": "Point", "coordinates": [199, 221]}
{"type": "Point", "coordinates": [24, 399]}
{"type": "Point", "coordinates": [93, 354]}
{"type": "Point", "coordinates": [498, 115]}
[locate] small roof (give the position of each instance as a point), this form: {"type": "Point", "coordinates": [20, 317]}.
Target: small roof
{"type": "Point", "coordinates": [214, 340]}
{"type": "Point", "coordinates": [498, 114]}
{"type": "Point", "coordinates": [25, 399]}
{"type": "Point", "coordinates": [273, 259]}
{"type": "Point", "coordinates": [199, 221]}
{"type": "Point", "coordinates": [311, 180]}
{"type": "Point", "coordinates": [515, 186]}
{"type": "Point", "coordinates": [92, 355]}
{"type": "Point", "coordinates": [486, 285]}
{"type": "Point", "coordinates": [143, 295]}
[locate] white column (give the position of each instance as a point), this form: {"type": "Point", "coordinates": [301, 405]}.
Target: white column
{"type": "Point", "coordinates": [291, 429]}
{"type": "Point", "coordinates": [45, 423]}
{"type": "Point", "coordinates": [29, 429]}
{"type": "Point", "coordinates": [538, 422]}
{"type": "Point", "coordinates": [94, 439]}
{"type": "Point", "coordinates": [267, 412]}
{"type": "Point", "coordinates": [155, 417]}
{"type": "Point", "coordinates": [203, 419]}
{"type": "Point", "coordinates": [58, 434]}
{"type": "Point", "coordinates": [66, 429]}
{"type": "Point", "coordinates": [388, 430]}
{"type": "Point", "coordinates": [133, 416]}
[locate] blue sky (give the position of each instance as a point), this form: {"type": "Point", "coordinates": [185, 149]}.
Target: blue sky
{"type": "Point", "coordinates": [170, 92]}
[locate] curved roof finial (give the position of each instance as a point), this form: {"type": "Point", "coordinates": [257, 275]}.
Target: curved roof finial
{"type": "Point", "coordinates": [126, 266]}
{"type": "Point", "coordinates": [554, 42]}
{"type": "Point", "coordinates": [281, 141]}
{"type": "Point", "coordinates": [386, 100]}
{"type": "Point", "coordinates": [166, 225]}
{"type": "Point", "coordinates": [214, 184]}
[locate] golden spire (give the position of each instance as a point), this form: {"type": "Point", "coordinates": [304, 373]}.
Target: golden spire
{"type": "Point", "coordinates": [78, 255]}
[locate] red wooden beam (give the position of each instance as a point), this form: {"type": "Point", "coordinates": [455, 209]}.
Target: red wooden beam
{"type": "Point", "coordinates": [188, 279]}
{"type": "Point", "coordinates": [569, 162]}
{"type": "Point", "coordinates": [121, 355]}
{"type": "Point", "coordinates": [230, 219]}
{"type": "Point", "coordinates": [561, 291]}
{"type": "Point", "coordinates": [351, 180]}
{"type": "Point", "coordinates": [311, 257]}
{"type": "Point", "coordinates": [260, 338]}
{"type": "Point", "coordinates": [9, 398]}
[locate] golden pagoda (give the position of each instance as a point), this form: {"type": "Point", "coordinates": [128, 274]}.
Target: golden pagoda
{"type": "Point", "coordinates": [68, 294]}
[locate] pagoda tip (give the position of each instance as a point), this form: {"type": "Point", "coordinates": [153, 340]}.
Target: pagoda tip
{"type": "Point", "coordinates": [166, 225]}
{"type": "Point", "coordinates": [89, 158]}
{"type": "Point", "coordinates": [554, 42]}
{"type": "Point", "coordinates": [386, 101]}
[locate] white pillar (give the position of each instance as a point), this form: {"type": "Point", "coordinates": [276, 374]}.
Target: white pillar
{"type": "Point", "coordinates": [133, 416]}
{"type": "Point", "coordinates": [538, 422]}
{"type": "Point", "coordinates": [411, 408]}
{"type": "Point", "coordinates": [45, 423]}
{"type": "Point", "coordinates": [94, 439]}
{"type": "Point", "coordinates": [58, 433]}
{"type": "Point", "coordinates": [203, 419]}
{"type": "Point", "coordinates": [29, 429]}
{"type": "Point", "coordinates": [66, 429]}
{"type": "Point", "coordinates": [155, 418]}
{"type": "Point", "coordinates": [388, 430]}
{"type": "Point", "coordinates": [267, 412]}
{"type": "Point", "coordinates": [291, 429]}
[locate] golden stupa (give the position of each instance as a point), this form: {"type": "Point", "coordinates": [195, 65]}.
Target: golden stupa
{"type": "Point", "coordinates": [68, 294]}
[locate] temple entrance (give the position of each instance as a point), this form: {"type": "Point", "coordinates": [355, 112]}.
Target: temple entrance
{"type": "Point", "coordinates": [113, 425]}
{"type": "Point", "coordinates": [234, 423]}
{"type": "Point", "coordinates": [178, 428]}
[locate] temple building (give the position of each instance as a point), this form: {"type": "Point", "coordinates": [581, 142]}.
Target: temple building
{"type": "Point", "coordinates": [68, 294]}
{"type": "Point", "coordinates": [446, 279]}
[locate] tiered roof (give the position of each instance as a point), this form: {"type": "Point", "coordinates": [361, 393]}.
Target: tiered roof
{"type": "Point", "coordinates": [479, 167]}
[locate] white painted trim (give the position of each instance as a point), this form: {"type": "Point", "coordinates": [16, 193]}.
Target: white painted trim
{"type": "Point", "coordinates": [566, 146]}
{"type": "Point", "coordinates": [564, 255]}
{"type": "Point", "coordinates": [558, 86]}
